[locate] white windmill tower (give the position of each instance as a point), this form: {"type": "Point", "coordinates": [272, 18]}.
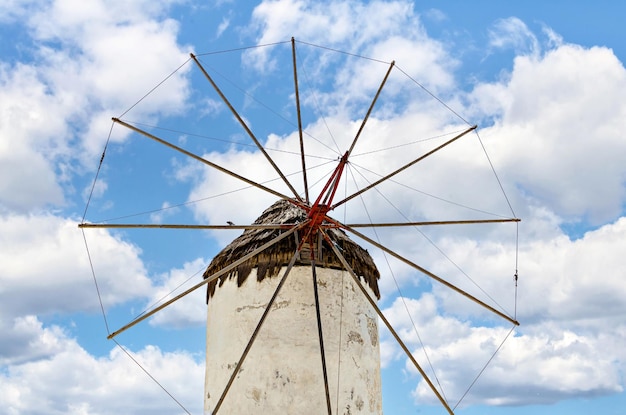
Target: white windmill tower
{"type": "Point", "coordinates": [292, 319]}
{"type": "Point", "coordinates": [307, 326]}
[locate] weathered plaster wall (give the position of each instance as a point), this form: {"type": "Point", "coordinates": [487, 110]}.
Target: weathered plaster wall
{"type": "Point", "coordinates": [283, 373]}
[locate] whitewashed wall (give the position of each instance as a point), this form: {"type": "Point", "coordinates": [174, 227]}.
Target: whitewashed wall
{"type": "Point", "coordinates": [283, 372]}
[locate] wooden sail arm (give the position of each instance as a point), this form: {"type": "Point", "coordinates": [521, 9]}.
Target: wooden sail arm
{"type": "Point", "coordinates": [406, 166]}
{"type": "Point", "coordinates": [295, 81]}
{"type": "Point", "coordinates": [425, 272]}
{"type": "Point", "coordinates": [386, 322]}
{"type": "Point", "coordinates": [254, 335]}
{"type": "Point", "coordinates": [211, 278]}
{"type": "Point", "coordinates": [180, 226]}
{"type": "Point", "coordinates": [200, 159]}
{"type": "Point", "coordinates": [320, 335]}
{"type": "Point", "coordinates": [245, 126]}
{"type": "Point", "coordinates": [431, 223]}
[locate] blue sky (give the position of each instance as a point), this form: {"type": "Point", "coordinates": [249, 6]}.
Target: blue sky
{"type": "Point", "coordinates": [543, 81]}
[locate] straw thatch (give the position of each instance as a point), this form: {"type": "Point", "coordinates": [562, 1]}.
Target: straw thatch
{"type": "Point", "coordinates": [270, 261]}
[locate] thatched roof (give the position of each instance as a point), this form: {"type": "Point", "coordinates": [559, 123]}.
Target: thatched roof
{"type": "Point", "coordinates": [270, 261]}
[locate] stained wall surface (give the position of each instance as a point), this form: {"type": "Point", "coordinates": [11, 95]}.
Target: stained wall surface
{"type": "Point", "coordinates": [282, 373]}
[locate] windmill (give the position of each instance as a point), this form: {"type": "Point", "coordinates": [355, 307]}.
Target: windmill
{"type": "Point", "coordinates": [298, 243]}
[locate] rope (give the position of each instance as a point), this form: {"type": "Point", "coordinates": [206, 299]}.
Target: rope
{"type": "Point", "coordinates": [434, 245]}
{"type": "Point", "coordinates": [154, 304]}
{"type": "Point", "coordinates": [434, 96]}
{"type": "Point", "coordinates": [93, 185]}
{"type": "Point", "coordinates": [484, 367]}
{"type": "Point", "coordinates": [151, 377]}
{"type": "Point", "coordinates": [406, 307]}
{"type": "Point", "coordinates": [461, 270]}
{"type": "Point", "coordinates": [223, 140]}
{"type": "Point", "coordinates": [343, 52]}
{"type": "Point", "coordinates": [208, 197]}
{"type": "Point", "coordinates": [430, 194]}
{"type": "Point", "coordinates": [155, 87]}
{"type": "Point", "coordinates": [95, 280]}
{"type": "Point", "coordinates": [217, 52]}
{"type": "Point", "coordinates": [515, 277]}
{"type": "Point", "coordinates": [408, 144]}
{"type": "Point", "coordinates": [495, 173]}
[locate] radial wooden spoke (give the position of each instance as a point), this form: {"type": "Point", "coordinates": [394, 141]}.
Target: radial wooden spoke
{"type": "Point", "coordinates": [255, 333]}
{"type": "Point", "coordinates": [369, 110]}
{"type": "Point", "coordinates": [200, 159]}
{"type": "Point", "coordinates": [295, 81]}
{"type": "Point", "coordinates": [431, 223]}
{"type": "Point", "coordinates": [245, 126]}
{"type": "Point", "coordinates": [386, 322]}
{"type": "Point", "coordinates": [320, 333]}
{"type": "Point", "coordinates": [406, 166]}
{"type": "Point", "coordinates": [209, 279]}
{"type": "Point", "coordinates": [179, 226]}
{"type": "Point", "coordinates": [428, 273]}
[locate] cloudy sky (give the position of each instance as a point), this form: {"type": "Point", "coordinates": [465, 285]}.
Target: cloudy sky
{"type": "Point", "coordinates": [544, 83]}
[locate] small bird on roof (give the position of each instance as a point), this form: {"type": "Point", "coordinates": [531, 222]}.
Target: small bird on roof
{"type": "Point", "coordinates": [230, 223]}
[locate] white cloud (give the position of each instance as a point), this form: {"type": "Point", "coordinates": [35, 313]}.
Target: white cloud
{"type": "Point", "coordinates": [189, 310]}
{"type": "Point", "coordinates": [26, 340]}
{"type": "Point", "coordinates": [329, 23]}
{"type": "Point", "coordinates": [210, 107]}
{"type": "Point", "coordinates": [381, 30]}
{"type": "Point", "coordinates": [223, 26]}
{"type": "Point", "coordinates": [11, 10]}
{"type": "Point", "coordinates": [27, 176]}
{"type": "Point", "coordinates": [235, 201]}
{"type": "Point", "coordinates": [528, 369]}
{"type": "Point", "coordinates": [513, 33]}
{"type": "Point", "coordinates": [507, 381]}
{"type": "Point", "coordinates": [561, 118]}
{"type": "Point", "coordinates": [69, 380]}
{"type": "Point", "coordinates": [64, 97]}
{"type": "Point", "coordinates": [581, 280]}
{"type": "Point", "coordinates": [80, 69]}
{"type": "Point", "coordinates": [166, 210]}
{"type": "Point", "coordinates": [46, 269]}
{"type": "Point", "coordinates": [571, 314]}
